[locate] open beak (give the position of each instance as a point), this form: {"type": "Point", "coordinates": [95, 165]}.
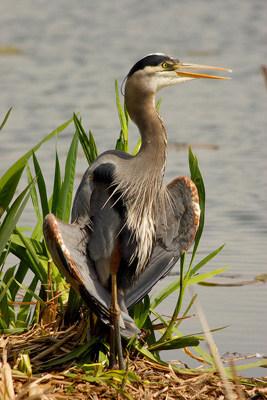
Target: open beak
{"type": "Point", "coordinates": [196, 75]}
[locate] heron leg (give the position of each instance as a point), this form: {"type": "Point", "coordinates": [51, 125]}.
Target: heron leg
{"type": "Point", "coordinates": [112, 357]}
{"type": "Point", "coordinates": [115, 336]}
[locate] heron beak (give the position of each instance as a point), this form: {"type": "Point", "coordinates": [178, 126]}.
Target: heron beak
{"type": "Point", "coordinates": [195, 75]}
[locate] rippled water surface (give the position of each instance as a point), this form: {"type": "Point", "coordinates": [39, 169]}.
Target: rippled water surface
{"type": "Point", "coordinates": [68, 57]}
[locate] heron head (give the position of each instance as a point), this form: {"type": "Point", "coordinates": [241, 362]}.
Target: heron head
{"type": "Point", "coordinates": [156, 71]}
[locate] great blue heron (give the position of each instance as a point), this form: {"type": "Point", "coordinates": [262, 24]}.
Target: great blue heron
{"type": "Point", "coordinates": [128, 229]}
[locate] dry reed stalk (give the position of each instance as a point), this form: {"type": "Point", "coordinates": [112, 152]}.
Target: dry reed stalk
{"type": "Point", "coordinates": [6, 384]}
{"type": "Point", "coordinates": [213, 349]}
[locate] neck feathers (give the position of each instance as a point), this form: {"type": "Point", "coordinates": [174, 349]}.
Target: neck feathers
{"type": "Point", "coordinates": [140, 179]}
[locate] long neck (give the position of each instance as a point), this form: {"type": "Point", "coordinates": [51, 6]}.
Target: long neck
{"type": "Point", "coordinates": [140, 179]}
{"type": "Point", "coordinates": [148, 166]}
{"type": "Point", "coordinates": [153, 151]}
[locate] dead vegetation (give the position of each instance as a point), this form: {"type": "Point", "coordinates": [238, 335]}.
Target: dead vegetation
{"type": "Point", "coordinates": [153, 382]}
{"type": "Point", "coordinates": [143, 379]}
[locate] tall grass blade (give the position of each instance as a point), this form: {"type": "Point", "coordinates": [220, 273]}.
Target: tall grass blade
{"type": "Point", "coordinates": [123, 122]}
{"type": "Point", "coordinates": [122, 142]}
{"type": "Point", "coordinates": [176, 343]}
{"type": "Point", "coordinates": [32, 253]}
{"type": "Point", "coordinates": [243, 367]}
{"type": "Point", "coordinates": [205, 260]}
{"type": "Point", "coordinates": [137, 147]}
{"type": "Point", "coordinates": [158, 103]}
{"type": "Point", "coordinates": [73, 307]}
{"type": "Point", "coordinates": [88, 144]}
{"type": "Point", "coordinates": [126, 115]}
{"type": "Point", "coordinates": [175, 285]}
{"type": "Point", "coordinates": [8, 190]}
{"type": "Point", "coordinates": [13, 215]}
{"type": "Point", "coordinates": [204, 277]}
{"type": "Point", "coordinates": [19, 276]}
{"type": "Point", "coordinates": [75, 353]}
{"type": "Point", "coordinates": [6, 310]}
{"type": "Point", "coordinates": [197, 179]}
{"type": "Point", "coordinates": [24, 310]}
{"type": "Point", "coordinates": [167, 334]}
{"type": "Point", "coordinates": [57, 186]}
{"type": "Point", "coordinates": [41, 186]}
{"type": "Point", "coordinates": [25, 249]}
{"type": "Point", "coordinates": [22, 161]}
{"type": "Point", "coordinates": [5, 119]}
{"type": "Point", "coordinates": [148, 354]}
{"type": "Point", "coordinates": [92, 146]}
{"type": "Point", "coordinates": [64, 206]}
{"type": "Point", "coordinates": [140, 312]}
{"type": "Point", "coordinates": [31, 292]}
{"type": "Point", "coordinates": [37, 232]}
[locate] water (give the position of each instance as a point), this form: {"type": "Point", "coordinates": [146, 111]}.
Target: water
{"type": "Point", "coordinates": [68, 59]}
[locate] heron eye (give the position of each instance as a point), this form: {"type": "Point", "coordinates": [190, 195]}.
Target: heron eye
{"type": "Point", "coordinates": [164, 65]}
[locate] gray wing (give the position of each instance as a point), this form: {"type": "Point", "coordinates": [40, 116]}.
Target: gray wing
{"type": "Point", "coordinates": [182, 214]}
{"type": "Point", "coordinates": [67, 244]}
{"type": "Point", "coordinates": [79, 248]}
{"type": "Point", "coordinates": [81, 208]}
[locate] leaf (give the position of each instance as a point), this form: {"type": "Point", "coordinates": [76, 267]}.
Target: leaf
{"type": "Point", "coordinates": [41, 186]}
{"type": "Point", "coordinates": [176, 343]}
{"type": "Point", "coordinates": [64, 206]}
{"type": "Point", "coordinates": [31, 293]}
{"type": "Point", "coordinates": [22, 161]}
{"type": "Point", "coordinates": [144, 350]}
{"type": "Point", "coordinates": [120, 144]}
{"type": "Point", "coordinates": [197, 179]}
{"type": "Point", "coordinates": [203, 277]}
{"type": "Point", "coordinates": [92, 146]}
{"type": "Point", "coordinates": [24, 364]}
{"type": "Point", "coordinates": [74, 353]}
{"type": "Point", "coordinates": [72, 310]}
{"type": "Point", "coordinates": [9, 274]}
{"type": "Point", "coordinates": [37, 232]}
{"type": "Point", "coordinates": [140, 312]}
{"type": "Point", "coordinates": [57, 186]}
{"type": "Point", "coordinates": [137, 147]}
{"type": "Point", "coordinates": [123, 121]}
{"type": "Point", "coordinates": [30, 256]}
{"type": "Point", "coordinates": [19, 276]}
{"type": "Point", "coordinates": [24, 309]}
{"type": "Point", "coordinates": [13, 215]}
{"type": "Point", "coordinates": [88, 144]}
{"type": "Point", "coordinates": [175, 285]}
{"type": "Point", "coordinates": [5, 119]}
{"type": "Point", "coordinates": [6, 310]}
{"type": "Point", "coordinates": [243, 367]}
{"type": "Point", "coordinates": [206, 260]}
{"type": "Point", "coordinates": [165, 293]}
{"type": "Point", "coordinates": [12, 331]}
{"type": "Point", "coordinates": [159, 103]}
{"type": "Point", "coordinates": [5, 288]}
{"type": "Point", "coordinates": [8, 190]}
{"type": "Point", "coordinates": [32, 253]}
{"type": "Point", "coordinates": [163, 321]}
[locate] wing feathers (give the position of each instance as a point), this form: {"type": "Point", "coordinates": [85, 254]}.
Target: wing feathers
{"type": "Point", "coordinates": [173, 239]}
{"type": "Point", "coordinates": [69, 243]}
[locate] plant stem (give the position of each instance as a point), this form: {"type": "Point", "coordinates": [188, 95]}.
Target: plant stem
{"type": "Point", "coordinates": [183, 280]}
